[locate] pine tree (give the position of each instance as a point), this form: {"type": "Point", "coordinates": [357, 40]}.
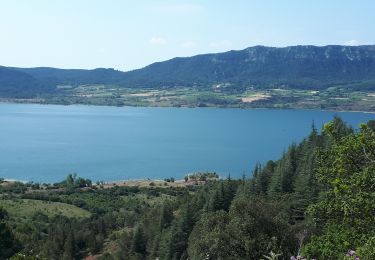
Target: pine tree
{"type": "Point", "coordinates": [8, 244]}
{"type": "Point", "coordinates": [166, 216]}
{"type": "Point", "coordinates": [139, 241]}
{"type": "Point", "coordinates": [180, 233]}
{"type": "Point", "coordinates": [69, 247]}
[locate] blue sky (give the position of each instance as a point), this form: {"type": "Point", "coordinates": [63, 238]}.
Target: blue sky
{"type": "Point", "coordinates": [127, 35]}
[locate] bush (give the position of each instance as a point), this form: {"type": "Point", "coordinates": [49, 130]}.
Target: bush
{"type": "Point", "coordinates": [367, 251]}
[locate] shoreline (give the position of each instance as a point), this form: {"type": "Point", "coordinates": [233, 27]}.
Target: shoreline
{"type": "Point", "coordinates": [186, 107]}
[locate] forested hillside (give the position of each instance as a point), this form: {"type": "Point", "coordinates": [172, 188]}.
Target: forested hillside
{"type": "Point", "coordinates": [297, 67]}
{"type": "Point", "coordinates": [301, 67]}
{"type": "Point", "coordinates": [17, 84]}
{"type": "Point", "coordinates": [53, 77]}
{"type": "Point", "coordinates": [316, 201]}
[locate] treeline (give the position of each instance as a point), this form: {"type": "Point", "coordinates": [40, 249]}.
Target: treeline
{"type": "Point", "coordinates": [71, 182]}
{"type": "Point", "coordinates": [316, 202]}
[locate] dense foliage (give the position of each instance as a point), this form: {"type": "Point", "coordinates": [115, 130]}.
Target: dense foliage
{"type": "Point", "coordinates": [318, 201]}
{"type": "Point", "coordinates": [17, 84]}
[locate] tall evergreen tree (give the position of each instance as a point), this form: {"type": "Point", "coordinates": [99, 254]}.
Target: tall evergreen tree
{"type": "Point", "coordinates": [8, 244]}
{"type": "Point", "coordinates": [139, 241]}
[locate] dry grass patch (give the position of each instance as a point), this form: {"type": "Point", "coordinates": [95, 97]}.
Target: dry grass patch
{"type": "Point", "coordinates": [28, 207]}
{"type": "Point", "coordinates": [255, 97]}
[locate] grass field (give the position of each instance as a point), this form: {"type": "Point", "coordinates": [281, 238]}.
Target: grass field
{"type": "Point", "coordinates": [27, 208]}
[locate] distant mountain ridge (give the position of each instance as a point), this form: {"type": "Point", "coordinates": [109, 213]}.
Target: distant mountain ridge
{"type": "Point", "coordinates": [303, 67]}
{"type": "Point", "coordinates": [296, 66]}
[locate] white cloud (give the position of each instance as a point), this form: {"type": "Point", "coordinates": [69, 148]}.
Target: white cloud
{"type": "Point", "coordinates": [188, 44]}
{"type": "Point", "coordinates": [352, 43]}
{"type": "Point", "coordinates": [220, 44]}
{"type": "Point", "coordinates": [158, 41]}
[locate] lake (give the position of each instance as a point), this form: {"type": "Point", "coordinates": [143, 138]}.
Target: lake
{"type": "Point", "coordinates": [44, 143]}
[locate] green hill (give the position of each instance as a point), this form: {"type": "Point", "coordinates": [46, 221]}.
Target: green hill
{"type": "Point", "coordinates": [298, 67]}
{"type": "Point", "coordinates": [18, 84]}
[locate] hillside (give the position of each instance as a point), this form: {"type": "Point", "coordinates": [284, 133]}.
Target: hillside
{"type": "Point", "coordinates": [298, 66]}
{"type": "Point", "coordinates": [18, 84]}
{"type": "Point", "coordinates": [259, 67]}
{"type": "Point", "coordinates": [53, 76]}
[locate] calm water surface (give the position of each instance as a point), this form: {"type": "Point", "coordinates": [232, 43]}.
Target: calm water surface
{"type": "Point", "coordinates": [46, 142]}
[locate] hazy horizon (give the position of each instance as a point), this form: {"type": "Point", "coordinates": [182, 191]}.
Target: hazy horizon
{"type": "Point", "coordinates": [71, 68]}
{"type": "Point", "coordinates": [127, 35]}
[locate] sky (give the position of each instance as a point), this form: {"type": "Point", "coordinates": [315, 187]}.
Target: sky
{"type": "Point", "coordinates": [127, 35]}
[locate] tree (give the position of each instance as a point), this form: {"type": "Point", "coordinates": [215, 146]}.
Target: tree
{"type": "Point", "coordinates": [347, 171]}
{"type": "Point", "coordinates": [251, 228]}
{"type": "Point", "coordinates": [70, 181]}
{"type": "Point", "coordinates": [265, 177]}
{"type": "Point", "coordinates": [139, 241]}
{"type": "Point", "coordinates": [166, 216]}
{"type": "Point", "coordinates": [210, 239]}
{"type": "Point", "coordinates": [282, 181]}
{"type": "Point", "coordinates": [217, 200]}
{"type": "Point", "coordinates": [8, 244]}
{"type": "Point", "coordinates": [69, 247]}
{"type": "Point", "coordinates": [180, 232]}
{"type": "Point", "coordinates": [371, 124]}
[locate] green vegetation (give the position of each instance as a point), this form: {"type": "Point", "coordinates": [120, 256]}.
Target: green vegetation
{"type": "Point", "coordinates": [201, 176]}
{"type": "Point", "coordinates": [334, 98]}
{"type": "Point", "coordinates": [8, 244]}
{"type": "Point", "coordinates": [316, 201]}
{"type": "Point", "coordinates": [26, 208]}
{"type": "Point", "coordinates": [328, 77]}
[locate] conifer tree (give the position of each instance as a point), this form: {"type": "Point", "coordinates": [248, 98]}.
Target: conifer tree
{"type": "Point", "coordinates": [8, 244]}
{"type": "Point", "coordinates": [139, 241]}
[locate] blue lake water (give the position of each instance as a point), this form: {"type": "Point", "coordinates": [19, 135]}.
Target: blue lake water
{"type": "Point", "coordinates": [46, 142]}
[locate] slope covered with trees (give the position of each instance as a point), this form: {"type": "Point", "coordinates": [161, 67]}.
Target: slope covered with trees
{"type": "Point", "coordinates": [17, 84]}
{"type": "Point", "coordinates": [74, 77]}
{"type": "Point", "coordinates": [297, 67]}
{"type": "Point", "coordinates": [302, 67]}
{"type": "Point", "coordinates": [316, 201]}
